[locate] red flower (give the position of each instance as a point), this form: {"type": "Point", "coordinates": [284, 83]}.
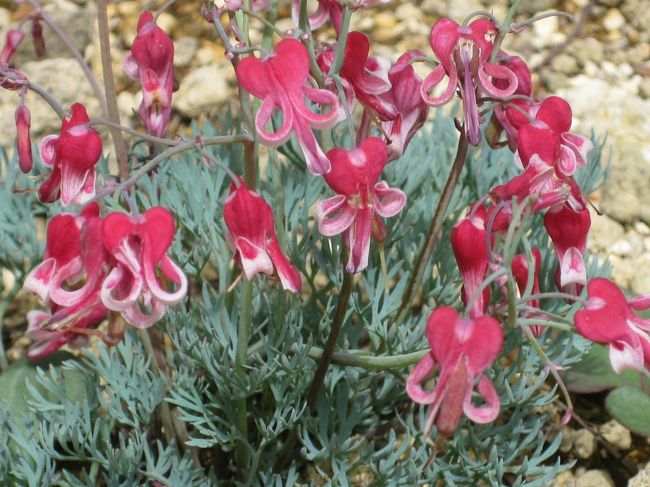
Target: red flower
{"type": "Point", "coordinates": [464, 53]}
{"type": "Point", "coordinates": [361, 201]}
{"type": "Point", "coordinates": [151, 62]}
{"type": "Point", "coordinates": [608, 318]}
{"type": "Point", "coordinates": [521, 274]}
{"type": "Point", "coordinates": [138, 246]}
{"type": "Point", "coordinates": [252, 233]}
{"type": "Point", "coordinates": [23, 140]}
{"type": "Point", "coordinates": [463, 348]}
{"type": "Point", "coordinates": [281, 81]}
{"type": "Point", "coordinates": [366, 77]}
{"type": "Point", "coordinates": [72, 155]}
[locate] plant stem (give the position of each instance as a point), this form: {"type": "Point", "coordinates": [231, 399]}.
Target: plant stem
{"type": "Point", "coordinates": [342, 41]}
{"type": "Point", "coordinates": [69, 44]}
{"type": "Point", "coordinates": [370, 361]}
{"type": "Point", "coordinates": [121, 150]}
{"type": "Point", "coordinates": [137, 133]}
{"type": "Point", "coordinates": [48, 97]}
{"type": "Point", "coordinates": [435, 230]}
{"type": "Point", "coordinates": [335, 330]}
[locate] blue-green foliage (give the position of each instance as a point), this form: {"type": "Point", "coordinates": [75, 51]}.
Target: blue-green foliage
{"type": "Point", "coordinates": [363, 423]}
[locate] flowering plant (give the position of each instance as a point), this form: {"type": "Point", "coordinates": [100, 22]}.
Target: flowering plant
{"type": "Point", "coordinates": [221, 315]}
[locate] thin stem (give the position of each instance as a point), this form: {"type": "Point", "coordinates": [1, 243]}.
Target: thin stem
{"type": "Point", "coordinates": [546, 323]}
{"type": "Point", "coordinates": [435, 230]}
{"type": "Point", "coordinates": [241, 354]}
{"type": "Point", "coordinates": [303, 23]}
{"type": "Point", "coordinates": [553, 295]}
{"type": "Point", "coordinates": [336, 66]}
{"type": "Point", "coordinates": [137, 133]}
{"type": "Point", "coordinates": [169, 153]}
{"type": "Point", "coordinates": [335, 330]}
{"type": "Point", "coordinates": [267, 24]}
{"type": "Point", "coordinates": [370, 361]}
{"type": "Point", "coordinates": [47, 96]}
{"type": "Point", "coordinates": [477, 292]}
{"type": "Point", "coordinates": [70, 45]}
{"type": "Point", "coordinates": [121, 149]}
{"type": "Point", "coordinates": [503, 30]}
{"type": "Point", "coordinates": [524, 23]}
{"type": "Point", "coordinates": [271, 17]}
{"type": "Point", "coordinates": [480, 13]}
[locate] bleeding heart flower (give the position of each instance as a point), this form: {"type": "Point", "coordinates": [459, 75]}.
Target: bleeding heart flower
{"type": "Point", "coordinates": [252, 234]}
{"type": "Point", "coordinates": [463, 348]}
{"type": "Point", "coordinates": [282, 82]}
{"type": "Point", "coordinates": [329, 9]}
{"type": "Point", "coordinates": [609, 319]}
{"type": "Point", "coordinates": [72, 155]}
{"type": "Point", "coordinates": [520, 272]}
{"type": "Point", "coordinates": [361, 201]}
{"type": "Point", "coordinates": [469, 243]}
{"type": "Point", "coordinates": [23, 140]}
{"type": "Point", "coordinates": [151, 61]}
{"type": "Point", "coordinates": [404, 95]}
{"type": "Point", "coordinates": [138, 246]}
{"type": "Point", "coordinates": [568, 230]}
{"type": "Point", "coordinates": [366, 77]}
{"type": "Point", "coordinates": [13, 40]}
{"type": "Point", "coordinates": [464, 53]}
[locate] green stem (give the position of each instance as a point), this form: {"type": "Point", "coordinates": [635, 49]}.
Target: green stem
{"type": "Point", "coordinates": [303, 23]}
{"type": "Point", "coordinates": [370, 361]}
{"type": "Point", "coordinates": [47, 97]}
{"type": "Point", "coordinates": [137, 133]}
{"type": "Point", "coordinates": [546, 323]}
{"type": "Point", "coordinates": [342, 41]}
{"type": "Point", "coordinates": [503, 30]}
{"type": "Point", "coordinates": [335, 330]}
{"type": "Point", "coordinates": [435, 230]}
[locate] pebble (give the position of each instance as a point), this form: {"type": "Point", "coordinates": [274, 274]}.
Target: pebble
{"type": "Point", "coordinates": [642, 479]}
{"type": "Point", "coordinates": [584, 443]}
{"type": "Point", "coordinates": [594, 478]}
{"type": "Point", "coordinates": [184, 51]}
{"type": "Point", "coordinates": [613, 20]}
{"type": "Point", "coordinates": [202, 90]}
{"type": "Point", "coordinates": [616, 434]}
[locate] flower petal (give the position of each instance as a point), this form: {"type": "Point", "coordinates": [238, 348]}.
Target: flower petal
{"type": "Point", "coordinates": [253, 258]}
{"type": "Point", "coordinates": [417, 376]}
{"type": "Point", "coordinates": [334, 215]}
{"type": "Point", "coordinates": [388, 201]}
{"type": "Point", "coordinates": [490, 410]}
{"type": "Point", "coordinates": [289, 275]}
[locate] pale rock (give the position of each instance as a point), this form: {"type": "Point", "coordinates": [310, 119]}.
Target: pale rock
{"type": "Point", "coordinates": [565, 479]}
{"type": "Point", "coordinates": [587, 49]}
{"type": "Point", "coordinates": [616, 434]}
{"type": "Point", "coordinates": [640, 282]}
{"type": "Point", "coordinates": [603, 232]}
{"type": "Point", "coordinates": [644, 88]}
{"type": "Point", "coordinates": [584, 443]}
{"type": "Point", "coordinates": [127, 105]}
{"type": "Point", "coordinates": [595, 478]}
{"type": "Point", "coordinates": [622, 248]}
{"type": "Point", "coordinates": [641, 479]}
{"type": "Point", "coordinates": [564, 63]}
{"type": "Point", "coordinates": [459, 9]}
{"type": "Point", "coordinates": [202, 90]}
{"type": "Point", "coordinates": [184, 50]}
{"type": "Point", "coordinates": [613, 20]}
{"type": "Point", "coordinates": [166, 22]}
{"type": "Point", "coordinates": [568, 437]}
{"type": "Point", "coordinates": [623, 270]}
{"type": "Point", "coordinates": [205, 56]}
{"type": "Point", "coordinates": [641, 228]}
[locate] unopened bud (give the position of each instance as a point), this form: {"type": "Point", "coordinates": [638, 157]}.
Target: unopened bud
{"type": "Point", "coordinates": [37, 37]}
{"type": "Point", "coordinates": [23, 140]}
{"type": "Point", "coordinates": [14, 38]}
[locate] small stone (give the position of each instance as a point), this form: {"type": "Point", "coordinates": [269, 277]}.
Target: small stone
{"type": "Point", "coordinates": [595, 478]}
{"type": "Point", "coordinates": [564, 63]}
{"type": "Point", "coordinates": [588, 49]}
{"type": "Point", "coordinates": [205, 55]}
{"type": "Point", "coordinates": [166, 22]}
{"type": "Point", "coordinates": [565, 479]}
{"type": "Point", "coordinates": [622, 248]}
{"type": "Point", "coordinates": [613, 20]}
{"type": "Point", "coordinates": [385, 20]}
{"type": "Point", "coordinates": [604, 232]}
{"type": "Point", "coordinates": [644, 88]}
{"type": "Point", "coordinates": [568, 436]}
{"type": "Point", "coordinates": [616, 434]}
{"type": "Point", "coordinates": [584, 444]}
{"type": "Point", "coordinates": [642, 479]}
{"type": "Point", "coordinates": [641, 228]}
{"type": "Point", "coordinates": [201, 90]}
{"type": "Point", "coordinates": [184, 50]}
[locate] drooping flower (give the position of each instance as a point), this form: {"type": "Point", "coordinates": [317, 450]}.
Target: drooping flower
{"type": "Point", "coordinates": [463, 348]}
{"type": "Point", "coordinates": [282, 82]}
{"type": "Point", "coordinates": [361, 201]}
{"type": "Point", "coordinates": [11, 78]}
{"type": "Point", "coordinates": [12, 41]}
{"type": "Point", "coordinates": [329, 9]}
{"type": "Point", "coordinates": [520, 270]}
{"type": "Point", "coordinates": [138, 245]}
{"type": "Point", "coordinates": [404, 95]}
{"type": "Point", "coordinates": [72, 155]}
{"type": "Point", "coordinates": [365, 76]}
{"type": "Point", "coordinates": [464, 54]}
{"type": "Point", "coordinates": [151, 61]}
{"type": "Point", "coordinates": [568, 230]}
{"type": "Point", "coordinates": [23, 139]}
{"type": "Point", "coordinates": [37, 37]}
{"type": "Point", "coordinates": [252, 234]}
{"type": "Point", "coordinates": [469, 243]}
{"type": "Point", "coordinates": [608, 318]}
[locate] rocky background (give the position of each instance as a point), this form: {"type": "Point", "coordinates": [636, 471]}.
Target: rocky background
{"type": "Point", "coordinates": [600, 63]}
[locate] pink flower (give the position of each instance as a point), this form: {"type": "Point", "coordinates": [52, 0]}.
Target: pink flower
{"type": "Point", "coordinates": [469, 243]}
{"type": "Point", "coordinates": [329, 9]}
{"type": "Point", "coordinates": [282, 82]}
{"type": "Point", "coordinates": [521, 274]}
{"type": "Point", "coordinates": [72, 155]}
{"type": "Point", "coordinates": [404, 95]}
{"type": "Point", "coordinates": [568, 230]}
{"type": "Point", "coordinates": [361, 201]}
{"type": "Point", "coordinates": [151, 62]}
{"type": "Point", "coordinates": [463, 348]}
{"type": "Point", "coordinates": [23, 140]}
{"type": "Point", "coordinates": [464, 53]}
{"type": "Point", "coordinates": [138, 246]}
{"type": "Point", "coordinates": [252, 233]}
{"type": "Point", "coordinates": [608, 318]}
{"type": "Point", "coordinates": [366, 77]}
{"type": "Point", "coordinates": [10, 78]}
{"type": "Point", "coordinates": [13, 40]}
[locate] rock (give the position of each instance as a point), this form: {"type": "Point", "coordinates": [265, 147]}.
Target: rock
{"type": "Point", "coordinates": [202, 90]}
{"type": "Point", "coordinates": [641, 228]}
{"type": "Point", "coordinates": [166, 22]}
{"type": "Point", "coordinates": [644, 88]}
{"type": "Point", "coordinates": [584, 443]}
{"type": "Point", "coordinates": [640, 282]}
{"type": "Point", "coordinates": [642, 479]}
{"type": "Point", "coordinates": [604, 232]}
{"type": "Point", "coordinates": [587, 49]}
{"type": "Point", "coordinates": [616, 434]}
{"type": "Point", "coordinates": [594, 478]}
{"type": "Point", "coordinates": [184, 50]}
{"type": "Point", "coordinates": [568, 436]}
{"type": "Point", "coordinates": [629, 246]}
{"type": "Point", "coordinates": [565, 479]}
{"type": "Point", "coordinates": [613, 20]}
{"type": "Point", "coordinates": [564, 63]}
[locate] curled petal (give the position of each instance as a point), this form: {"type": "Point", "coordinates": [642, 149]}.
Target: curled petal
{"type": "Point", "coordinates": [134, 316]}
{"type": "Point", "coordinates": [280, 136]}
{"type": "Point", "coordinates": [127, 289]}
{"type": "Point", "coordinates": [289, 275]}
{"type": "Point", "coordinates": [320, 97]}
{"type": "Point", "coordinates": [389, 201]}
{"type": "Point", "coordinates": [567, 162]}
{"type": "Point", "coordinates": [357, 238]}
{"type": "Point", "coordinates": [47, 150]}
{"type": "Point", "coordinates": [432, 80]}
{"type": "Point", "coordinates": [498, 72]}
{"type": "Point", "coordinates": [39, 280]}
{"type": "Point", "coordinates": [253, 258]}
{"type": "Point", "coordinates": [580, 146]}
{"type": "Point", "coordinates": [334, 215]}
{"type": "Point", "coordinates": [172, 272]}
{"type": "Point", "coordinates": [130, 66]}
{"type": "Point", "coordinates": [414, 382]}
{"type": "Point", "coordinates": [490, 410]}
{"type": "Point", "coordinates": [316, 160]}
